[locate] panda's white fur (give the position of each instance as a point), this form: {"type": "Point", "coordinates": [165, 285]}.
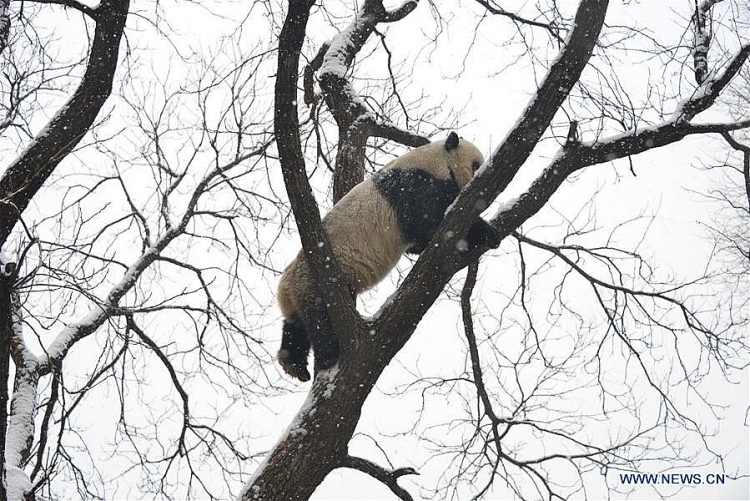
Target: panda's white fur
{"type": "Point", "coordinates": [366, 238]}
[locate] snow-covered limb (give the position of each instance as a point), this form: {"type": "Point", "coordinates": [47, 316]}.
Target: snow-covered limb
{"type": "Point", "coordinates": [702, 35]}
{"type": "Point", "coordinates": [348, 43]}
{"type": "Point", "coordinates": [355, 121]}
{"type": "Point", "coordinates": [705, 95]}
{"type": "Point", "coordinates": [20, 433]}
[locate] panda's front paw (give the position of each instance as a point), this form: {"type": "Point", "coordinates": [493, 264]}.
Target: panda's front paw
{"type": "Point", "coordinates": [492, 238]}
{"type": "Point", "coordinates": [295, 368]}
{"type": "Point", "coordinates": [482, 234]}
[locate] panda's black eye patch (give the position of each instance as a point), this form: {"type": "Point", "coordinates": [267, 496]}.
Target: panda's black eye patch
{"type": "Point", "coordinates": [475, 166]}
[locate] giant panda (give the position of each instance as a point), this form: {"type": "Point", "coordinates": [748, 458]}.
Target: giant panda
{"type": "Point", "coordinates": [396, 210]}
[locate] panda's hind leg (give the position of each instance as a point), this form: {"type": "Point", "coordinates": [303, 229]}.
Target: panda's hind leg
{"type": "Point", "coordinates": [324, 342]}
{"type": "Point", "coordinates": [295, 347]}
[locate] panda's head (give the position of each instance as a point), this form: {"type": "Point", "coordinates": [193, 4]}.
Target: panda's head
{"type": "Point", "coordinates": [462, 158]}
{"type": "Point", "coordinates": [452, 158]}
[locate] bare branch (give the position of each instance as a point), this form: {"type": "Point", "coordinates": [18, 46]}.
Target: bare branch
{"type": "Point", "coordinates": [92, 12]}
{"type": "Point", "coordinates": [172, 375]}
{"type": "Point", "coordinates": [497, 10]}
{"type": "Point", "coordinates": [745, 150]}
{"type": "Point", "coordinates": [387, 477]}
{"type": "Point", "coordinates": [355, 121]}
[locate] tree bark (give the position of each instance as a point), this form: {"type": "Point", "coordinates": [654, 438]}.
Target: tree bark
{"type": "Point", "coordinates": [355, 122]}
{"type": "Point", "coordinates": [30, 170]}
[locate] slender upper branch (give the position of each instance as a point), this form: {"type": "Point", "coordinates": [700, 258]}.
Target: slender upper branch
{"type": "Point", "coordinates": [497, 10]}
{"type": "Point", "coordinates": [584, 154]}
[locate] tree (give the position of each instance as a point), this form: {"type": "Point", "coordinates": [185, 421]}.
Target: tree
{"type": "Point", "coordinates": [112, 208]}
{"type": "Point", "coordinates": [144, 230]}
{"type": "Point", "coordinates": [25, 176]}
{"type": "Point", "coordinates": [325, 425]}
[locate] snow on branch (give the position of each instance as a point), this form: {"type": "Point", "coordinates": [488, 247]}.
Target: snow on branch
{"type": "Point", "coordinates": [355, 121]}
{"type": "Point", "coordinates": [705, 95]}
{"type": "Point", "coordinates": [702, 35]}
{"type": "Point", "coordinates": [20, 431]}
{"type": "Point", "coordinates": [345, 46]}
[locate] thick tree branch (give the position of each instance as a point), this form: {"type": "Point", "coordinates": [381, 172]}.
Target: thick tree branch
{"type": "Point", "coordinates": [702, 35]}
{"type": "Point", "coordinates": [383, 475]}
{"type": "Point", "coordinates": [432, 271]}
{"type": "Point", "coordinates": [20, 433]}
{"type": "Point", "coordinates": [27, 173]}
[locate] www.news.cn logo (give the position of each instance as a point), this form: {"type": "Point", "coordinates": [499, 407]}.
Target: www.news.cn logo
{"type": "Point", "coordinates": [671, 478]}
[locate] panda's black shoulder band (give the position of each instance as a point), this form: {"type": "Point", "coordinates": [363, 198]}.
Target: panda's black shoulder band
{"type": "Point", "coordinates": [419, 201]}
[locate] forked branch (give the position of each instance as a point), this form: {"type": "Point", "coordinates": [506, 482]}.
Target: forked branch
{"type": "Point", "coordinates": [383, 475]}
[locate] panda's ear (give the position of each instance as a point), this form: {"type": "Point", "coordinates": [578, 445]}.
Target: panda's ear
{"type": "Point", "coordinates": [452, 142]}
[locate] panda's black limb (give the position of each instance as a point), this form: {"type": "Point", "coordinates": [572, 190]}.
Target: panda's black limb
{"type": "Point", "coordinates": [295, 347]}
{"type": "Point", "coordinates": [482, 233]}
